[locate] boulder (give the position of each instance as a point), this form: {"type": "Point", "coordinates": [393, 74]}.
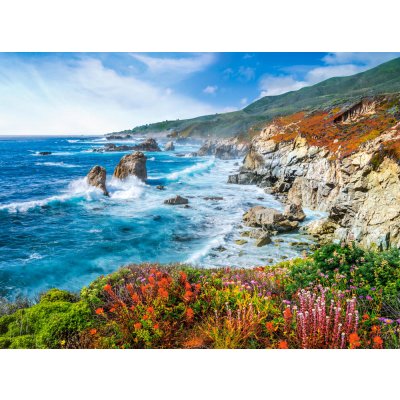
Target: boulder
{"type": "Point", "coordinates": [44, 153]}
{"type": "Point", "coordinates": [268, 219]}
{"type": "Point", "coordinates": [177, 200]}
{"type": "Point", "coordinates": [97, 178]}
{"type": "Point", "coordinates": [169, 146]}
{"type": "Point", "coordinates": [263, 240]}
{"type": "Point", "coordinates": [240, 242]}
{"type": "Point", "coordinates": [160, 187]}
{"type": "Point", "coordinates": [294, 212]}
{"type": "Point", "coordinates": [148, 145]}
{"type": "Point", "coordinates": [132, 165]}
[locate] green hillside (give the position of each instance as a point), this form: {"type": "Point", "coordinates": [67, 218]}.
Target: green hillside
{"type": "Point", "coordinates": [384, 78]}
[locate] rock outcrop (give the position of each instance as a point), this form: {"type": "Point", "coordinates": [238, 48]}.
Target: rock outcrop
{"type": "Point", "coordinates": [347, 167]}
{"type": "Point", "coordinates": [268, 219]}
{"type": "Point", "coordinates": [147, 145]}
{"type": "Point", "coordinates": [225, 149]}
{"type": "Point", "coordinates": [169, 146]}
{"type": "Point", "coordinates": [97, 178]}
{"type": "Point", "coordinates": [44, 153]}
{"type": "Point", "coordinates": [132, 165]}
{"type": "Point", "coordinates": [177, 200]}
{"type": "Point", "coordinates": [111, 147]}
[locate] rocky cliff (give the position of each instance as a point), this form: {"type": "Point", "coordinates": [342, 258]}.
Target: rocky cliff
{"type": "Point", "coordinates": [342, 161]}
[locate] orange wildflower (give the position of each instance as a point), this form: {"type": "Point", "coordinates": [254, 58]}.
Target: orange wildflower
{"type": "Point", "coordinates": [189, 314]}
{"type": "Point", "coordinates": [365, 317]}
{"type": "Point", "coordinates": [270, 326]}
{"type": "Point", "coordinates": [135, 297]}
{"type": "Point", "coordinates": [188, 286]}
{"type": "Point", "coordinates": [163, 293]}
{"type": "Point", "coordinates": [150, 310]}
{"type": "Point", "coordinates": [287, 313]}
{"type": "Point", "coordinates": [354, 340]}
{"type": "Point", "coordinates": [198, 286]}
{"type": "Point", "coordinates": [163, 283]}
{"type": "Point", "coordinates": [99, 311]}
{"type": "Point", "coordinates": [378, 342]}
{"type": "Point", "coordinates": [129, 288]}
{"type": "Point", "coordinates": [188, 295]}
{"type": "Point", "coordinates": [152, 280]}
{"type": "Point", "coordinates": [93, 331]}
{"type": "Point", "coordinates": [138, 325]}
{"type": "Point", "coordinates": [153, 271]}
{"type": "Point", "coordinates": [375, 329]}
{"type": "Point", "coordinates": [183, 277]}
{"type": "Point", "coordinates": [108, 289]}
{"type": "Point", "coordinates": [156, 326]}
{"type": "Point", "coordinates": [132, 308]}
{"type": "Point", "coordinates": [283, 344]}
{"type": "Point", "coordinates": [112, 309]}
{"type": "Point", "coordinates": [145, 317]}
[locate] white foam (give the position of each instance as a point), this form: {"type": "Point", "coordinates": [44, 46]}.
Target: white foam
{"type": "Point", "coordinates": [73, 141]}
{"type": "Point", "coordinates": [130, 188]}
{"type": "Point", "coordinates": [57, 164]}
{"type": "Point", "coordinates": [76, 189]}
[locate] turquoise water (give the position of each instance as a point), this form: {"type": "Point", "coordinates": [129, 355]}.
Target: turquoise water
{"type": "Point", "coordinates": [56, 231]}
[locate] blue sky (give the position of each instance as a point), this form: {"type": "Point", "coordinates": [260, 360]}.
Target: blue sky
{"type": "Point", "coordinates": [90, 93]}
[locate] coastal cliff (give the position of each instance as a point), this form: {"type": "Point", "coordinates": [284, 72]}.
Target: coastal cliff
{"type": "Point", "coordinates": [341, 161]}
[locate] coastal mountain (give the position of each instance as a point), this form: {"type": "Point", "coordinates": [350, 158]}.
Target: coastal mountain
{"type": "Point", "coordinates": [342, 91]}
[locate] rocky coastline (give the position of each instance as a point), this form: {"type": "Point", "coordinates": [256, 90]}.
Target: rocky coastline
{"type": "Point", "coordinates": [357, 184]}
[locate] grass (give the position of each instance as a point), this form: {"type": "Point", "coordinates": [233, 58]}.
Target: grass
{"type": "Point", "coordinates": [340, 297]}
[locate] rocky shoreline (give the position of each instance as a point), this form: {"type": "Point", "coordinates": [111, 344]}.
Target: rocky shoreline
{"type": "Point", "coordinates": [360, 190]}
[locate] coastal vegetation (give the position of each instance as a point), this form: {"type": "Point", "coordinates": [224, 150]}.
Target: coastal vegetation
{"type": "Point", "coordinates": [341, 296]}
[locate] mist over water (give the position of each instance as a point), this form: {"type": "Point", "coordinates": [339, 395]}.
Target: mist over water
{"type": "Point", "coordinates": [56, 231]}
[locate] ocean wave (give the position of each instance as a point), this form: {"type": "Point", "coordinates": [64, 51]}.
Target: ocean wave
{"type": "Point", "coordinates": [54, 153]}
{"type": "Point", "coordinates": [57, 164]}
{"type": "Point", "coordinates": [73, 140]}
{"type": "Point", "coordinates": [130, 188]}
{"type": "Point", "coordinates": [192, 170]}
{"type": "Point", "coordinates": [77, 189]}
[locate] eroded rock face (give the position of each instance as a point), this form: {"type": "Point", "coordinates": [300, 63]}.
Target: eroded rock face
{"type": "Point", "coordinates": [360, 191]}
{"type": "Point", "coordinates": [225, 149]}
{"type": "Point", "coordinates": [97, 178]}
{"type": "Point", "coordinates": [132, 165]}
{"type": "Point", "coordinates": [268, 219]}
{"type": "Point", "coordinates": [177, 200]}
{"type": "Point", "coordinates": [169, 146]}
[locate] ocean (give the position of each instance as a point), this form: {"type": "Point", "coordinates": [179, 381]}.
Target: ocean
{"type": "Point", "coordinates": [56, 231]}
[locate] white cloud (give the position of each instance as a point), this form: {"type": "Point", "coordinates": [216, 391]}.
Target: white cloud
{"type": "Point", "coordinates": [82, 96]}
{"type": "Point", "coordinates": [273, 85]}
{"type": "Point", "coordinates": [244, 101]}
{"type": "Point", "coordinates": [246, 73]}
{"type": "Point", "coordinates": [336, 65]}
{"type": "Point", "coordinates": [183, 65]}
{"type": "Point", "coordinates": [371, 59]}
{"type": "Point", "coordinates": [210, 89]}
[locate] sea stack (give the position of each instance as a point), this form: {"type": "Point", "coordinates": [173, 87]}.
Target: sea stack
{"type": "Point", "coordinates": [132, 165]}
{"type": "Point", "coordinates": [97, 178]}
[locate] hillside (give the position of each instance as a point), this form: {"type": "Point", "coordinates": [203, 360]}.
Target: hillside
{"type": "Point", "coordinates": [384, 78]}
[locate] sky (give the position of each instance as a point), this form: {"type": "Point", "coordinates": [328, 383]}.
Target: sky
{"type": "Point", "coordinates": [95, 93]}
